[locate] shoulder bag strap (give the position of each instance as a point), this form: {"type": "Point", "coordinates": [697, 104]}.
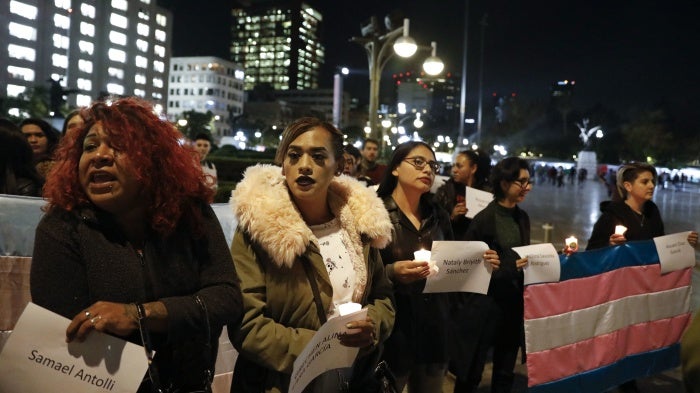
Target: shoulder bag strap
{"type": "Point", "coordinates": [314, 288]}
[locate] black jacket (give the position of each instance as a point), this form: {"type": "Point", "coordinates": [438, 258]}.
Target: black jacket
{"type": "Point", "coordinates": [645, 227]}
{"type": "Point", "coordinates": [421, 327]}
{"type": "Point", "coordinates": [81, 257]}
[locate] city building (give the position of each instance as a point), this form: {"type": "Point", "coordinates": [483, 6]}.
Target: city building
{"type": "Point", "coordinates": [436, 97]}
{"type": "Point", "coordinates": [90, 48]}
{"type": "Point", "coordinates": [204, 84]}
{"type": "Point", "coordinates": [277, 42]}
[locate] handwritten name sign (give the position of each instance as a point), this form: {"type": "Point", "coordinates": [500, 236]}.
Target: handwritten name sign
{"type": "Point", "coordinates": [674, 251]}
{"type": "Point", "coordinates": [461, 267]}
{"type": "Point", "coordinates": [476, 200]}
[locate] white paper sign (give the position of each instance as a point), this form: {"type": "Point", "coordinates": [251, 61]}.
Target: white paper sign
{"type": "Point", "coordinates": [476, 201]}
{"type": "Point", "coordinates": [543, 263]}
{"type": "Point", "coordinates": [461, 267]}
{"type": "Point", "coordinates": [36, 358]}
{"type": "Point", "coordinates": [324, 352]}
{"type": "Point", "coordinates": [674, 252]}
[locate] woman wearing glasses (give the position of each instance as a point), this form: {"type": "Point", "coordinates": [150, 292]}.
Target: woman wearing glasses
{"type": "Point", "coordinates": [417, 348]}
{"type": "Point", "coordinates": [502, 225]}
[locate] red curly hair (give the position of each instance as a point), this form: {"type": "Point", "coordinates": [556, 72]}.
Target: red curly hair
{"type": "Point", "coordinates": [168, 171]}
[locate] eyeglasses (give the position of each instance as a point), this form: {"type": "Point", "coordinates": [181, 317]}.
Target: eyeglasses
{"type": "Point", "coordinates": [523, 183]}
{"type": "Point", "coordinates": [420, 163]}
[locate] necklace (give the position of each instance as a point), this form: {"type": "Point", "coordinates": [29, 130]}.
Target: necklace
{"type": "Point", "coordinates": [640, 218]}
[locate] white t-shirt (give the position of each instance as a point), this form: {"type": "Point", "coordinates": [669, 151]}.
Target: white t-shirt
{"type": "Point", "coordinates": [210, 169]}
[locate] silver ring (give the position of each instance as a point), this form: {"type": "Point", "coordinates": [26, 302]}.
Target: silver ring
{"type": "Point", "coordinates": [95, 319]}
{"type": "Point", "coordinates": [87, 314]}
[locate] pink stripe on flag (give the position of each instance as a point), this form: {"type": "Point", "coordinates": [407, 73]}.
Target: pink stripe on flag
{"type": "Point", "coordinates": [543, 300]}
{"type": "Point", "coordinates": [553, 364]}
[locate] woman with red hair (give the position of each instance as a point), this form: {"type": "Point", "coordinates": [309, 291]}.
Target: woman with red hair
{"type": "Point", "coordinates": [130, 246]}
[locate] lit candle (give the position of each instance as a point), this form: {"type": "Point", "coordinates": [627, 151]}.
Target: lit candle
{"type": "Point", "coordinates": [348, 308]}
{"type": "Point", "coordinates": [620, 229]}
{"type": "Point", "coordinates": [572, 243]}
{"type": "Point", "coordinates": [421, 255]}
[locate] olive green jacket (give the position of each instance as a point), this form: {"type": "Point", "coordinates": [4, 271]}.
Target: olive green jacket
{"type": "Point", "coordinates": [271, 244]}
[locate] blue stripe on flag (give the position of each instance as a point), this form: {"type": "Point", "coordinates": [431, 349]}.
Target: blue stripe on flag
{"type": "Point", "coordinates": [604, 378]}
{"type": "Point", "coordinates": [591, 263]}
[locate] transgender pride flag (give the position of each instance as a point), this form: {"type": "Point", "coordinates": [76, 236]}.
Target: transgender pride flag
{"type": "Point", "coordinates": [612, 317]}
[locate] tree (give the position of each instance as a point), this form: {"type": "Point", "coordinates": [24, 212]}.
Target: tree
{"type": "Point", "coordinates": [197, 122]}
{"type": "Point", "coordinates": [648, 136]}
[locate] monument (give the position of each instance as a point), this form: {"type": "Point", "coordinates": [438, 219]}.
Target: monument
{"type": "Point", "coordinates": [587, 158]}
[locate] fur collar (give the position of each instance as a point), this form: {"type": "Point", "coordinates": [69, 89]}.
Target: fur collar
{"type": "Point", "coordinates": [264, 209]}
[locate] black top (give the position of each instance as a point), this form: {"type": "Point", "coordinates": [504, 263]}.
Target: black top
{"type": "Point", "coordinates": [646, 226]}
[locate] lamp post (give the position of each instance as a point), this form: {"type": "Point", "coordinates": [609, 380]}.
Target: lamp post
{"type": "Point", "coordinates": [377, 44]}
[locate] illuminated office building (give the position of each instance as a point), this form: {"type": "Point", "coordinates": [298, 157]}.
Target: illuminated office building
{"type": "Point", "coordinates": [97, 48]}
{"type": "Point", "coordinates": [204, 84]}
{"type": "Point", "coordinates": [277, 42]}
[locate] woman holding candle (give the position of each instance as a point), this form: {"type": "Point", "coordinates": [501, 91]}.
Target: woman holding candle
{"type": "Point", "coordinates": [631, 215]}
{"type": "Point", "coordinates": [502, 225]}
{"type": "Point", "coordinates": [304, 248]}
{"type": "Point", "coordinates": [417, 350]}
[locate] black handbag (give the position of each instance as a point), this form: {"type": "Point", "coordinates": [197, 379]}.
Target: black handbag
{"type": "Point", "coordinates": [207, 373]}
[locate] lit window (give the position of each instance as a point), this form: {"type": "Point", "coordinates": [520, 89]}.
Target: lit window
{"type": "Point", "coordinates": [61, 21]}
{"type": "Point", "coordinates": [141, 62]}
{"type": "Point", "coordinates": [21, 52]}
{"type": "Point", "coordinates": [140, 79]}
{"type": "Point", "coordinates": [142, 29]}
{"type": "Point", "coordinates": [60, 41]}
{"type": "Point", "coordinates": [161, 20]}
{"type": "Point", "coordinates": [157, 82]}
{"type": "Point", "coordinates": [23, 10]}
{"type": "Point", "coordinates": [146, 1]}
{"type": "Point", "coordinates": [158, 66]}
{"type": "Point", "coordinates": [26, 74]}
{"type": "Point", "coordinates": [85, 66]}
{"type": "Point", "coordinates": [62, 4]}
{"type": "Point", "coordinates": [140, 92]}
{"type": "Point", "coordinates": [143, 14]}
{"type": "Point", "coordinates": [82, 100]}
{"type": "Point", "coordinates": [118, 20]}
{"type": "Point", "coordinates": [113, 88]}
{"type": "Point", "coordinates": [115, 72]}
{"type": "Point", "coordinates": [22, 31]}
{"type": "Point", "coordinates": [142, 45]}
{"type": "Point", "coordinates": [86, 47]}
{"type": "Point", "coordinates": [59, 60]}
{"type": "Point", "coordinates": [117, 55]}
{"type": "Point", "coordinates": [159, 50]}
{"type": "Point", "coordinates": [87, 10]}
{"type": "Point", "coordinates": [87, 29]}
{"type": "Point", "coordinates": [84, 84]}
{"type": "Point", "coordinates": [160, 35]}
{"type": "Point", "coordinates": [120, 4]}
{"type": "Point", "coordinates": [15, 90]}
{"type": "Point", "coordinates": [117, 38]}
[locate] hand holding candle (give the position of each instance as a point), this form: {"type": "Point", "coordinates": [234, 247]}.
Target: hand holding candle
{"type": "Point", "coordinates": [620, 229]}
{"type": "Point", "coordinates": [424, 255]}
{"type": "Point", "coordinates": [570, 245]}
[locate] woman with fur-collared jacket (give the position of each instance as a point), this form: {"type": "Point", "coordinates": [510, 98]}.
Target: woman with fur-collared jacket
{"type": "Point", "coordinates": [305, 216]}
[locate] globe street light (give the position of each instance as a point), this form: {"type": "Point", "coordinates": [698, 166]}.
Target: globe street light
{"type": "Point", "coordinates": [377, 44]}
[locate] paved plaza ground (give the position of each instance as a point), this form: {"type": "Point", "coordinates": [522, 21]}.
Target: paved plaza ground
{"type": "Point", "coordinates": [572, 210]}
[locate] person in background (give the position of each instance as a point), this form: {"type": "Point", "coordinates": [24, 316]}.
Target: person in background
{"type": "Point", "coordinates": [471, 169]}
{"type": "Point", "coordinates": [306, 243]}
{"type": "Point", "coordinates": [502, 225]}
{"type": "Point", "coordinates": [632, 207]}
{"type": "Point", "coordinates": [73, 122]}
{"type": "Point", "coordinates": [202, 143]}
{"type": "Point", "coordinates": [417, 350]}
{"type": "Point", "coordinates": [43, 139]}
{"type": "Point", "coordinates": [369, 166]}
{"type": "Point", "coordinates": [129, 241]}
{"type": "Point", "coordinates": [352, 158]}
{"type": "Point", "coordinates": [18, 175]}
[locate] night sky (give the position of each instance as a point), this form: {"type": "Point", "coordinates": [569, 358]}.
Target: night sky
{"type": "Point", "coordinates": [621, 54]}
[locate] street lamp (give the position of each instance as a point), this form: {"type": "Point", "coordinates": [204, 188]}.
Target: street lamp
{"type": "Point", "coordinates": [377, 44]}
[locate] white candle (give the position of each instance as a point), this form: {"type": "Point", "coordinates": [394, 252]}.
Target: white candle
{"type": "Point", "coordinates": [421, 255]}
{"type": "Point", "coordinates": [571, 242]}
{"type": "Point", "coordinates": [620, 229]}
{"type": "Point", "coordinates": [348, 308]}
